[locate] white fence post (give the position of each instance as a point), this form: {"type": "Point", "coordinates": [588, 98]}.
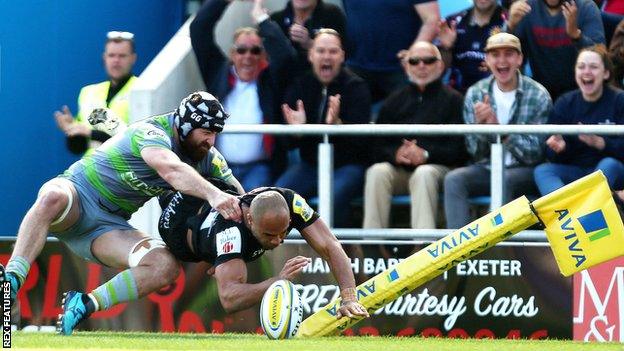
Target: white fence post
{"type": "Point", "coordinates": [326, 181]}
{"type": "Point", "coordinates": [497, 174]}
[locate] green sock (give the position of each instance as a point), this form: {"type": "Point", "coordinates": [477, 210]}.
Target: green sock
{"type": "Point", "coordinates": [121, 288]}
{"type": "Point", "coordinates": [19, 266]}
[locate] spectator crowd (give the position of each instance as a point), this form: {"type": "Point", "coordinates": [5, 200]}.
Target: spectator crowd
{"type": "Point", "coordinates": [399, 62]}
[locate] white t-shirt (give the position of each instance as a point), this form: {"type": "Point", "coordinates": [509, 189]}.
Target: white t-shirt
{"type": "Point", "coordinates": [243, 105]}
{"type": "Point", "coordinates": [504, 101]}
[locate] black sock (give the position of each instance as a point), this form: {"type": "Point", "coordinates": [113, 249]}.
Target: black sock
{"type": "Point", "coordinates": [88, 303]}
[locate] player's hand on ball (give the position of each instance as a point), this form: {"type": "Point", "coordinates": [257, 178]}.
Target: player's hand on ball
{"type": "Point", "coordinates": [351, 309]}
{"type": "Point", "coordinates": [293, 267]}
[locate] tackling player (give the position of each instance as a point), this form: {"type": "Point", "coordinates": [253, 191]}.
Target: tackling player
{"type": "Point", "coordinates": [88, 206]}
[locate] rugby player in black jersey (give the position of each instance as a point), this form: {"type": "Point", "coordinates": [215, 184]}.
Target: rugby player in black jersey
{"type": "Point", "coordinates": [194, 232]}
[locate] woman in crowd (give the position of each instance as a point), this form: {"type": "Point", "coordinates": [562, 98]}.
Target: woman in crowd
{"type": "Point", "coordinates": [594, 102]}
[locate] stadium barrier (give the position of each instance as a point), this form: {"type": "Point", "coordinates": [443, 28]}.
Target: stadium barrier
{"type": "Point", "coordinates": [174, 73]}
{"type": "Point", "coordinates": [499, 294]}
{"type": "Point", "coordinates": [513, 290]}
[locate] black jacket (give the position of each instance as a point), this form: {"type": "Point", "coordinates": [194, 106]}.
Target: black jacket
{"type": "Point", "coordinates": [355, 106]}
{"type": "Point", "coordinates": [324, 16]}
{"type": "Point", "coordinates": [438, 104]}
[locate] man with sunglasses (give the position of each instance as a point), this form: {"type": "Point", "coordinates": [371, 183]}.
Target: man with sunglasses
{"type": "Point", "coordinates": [415, 166]}
{"type": "Point", "coordinates": [249, 81]}
{"type": "Point", "coordinates": [506, 97]}
{"type": "Point", "coordinates": [195, 232]}
{"type": "Point", "coordinates": [119, 57]}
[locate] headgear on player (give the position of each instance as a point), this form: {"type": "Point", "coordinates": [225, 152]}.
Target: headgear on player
{"type": "Point", "coordinates": [199, 110]}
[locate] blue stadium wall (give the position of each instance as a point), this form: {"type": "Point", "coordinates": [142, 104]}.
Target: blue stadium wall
{"type": "Point", "coordinates": [48, 50]}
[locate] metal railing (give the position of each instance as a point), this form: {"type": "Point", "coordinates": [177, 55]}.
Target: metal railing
{"type": "Point", "coordinates": [149, 220]}
{"type": "Point", "coordinates": [325, 157]}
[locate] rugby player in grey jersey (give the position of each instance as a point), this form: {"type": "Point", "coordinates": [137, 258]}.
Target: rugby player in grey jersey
{"type": "Point", "coordinates": [87, 207]}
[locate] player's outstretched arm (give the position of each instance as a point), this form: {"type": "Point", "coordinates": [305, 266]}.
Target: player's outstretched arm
{"type": "Point", "coordinates": [327, 246]}
{"type": "Point", "coordinates": [185, 179]}
{"type": "Point", "coordinates": [236, 294]}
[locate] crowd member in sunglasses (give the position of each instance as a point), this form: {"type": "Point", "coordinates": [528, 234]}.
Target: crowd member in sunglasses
{"type": "Point", "coordinates": [301, 19]}
{"type": "Point", "coordinates": [329, 94]}
{"type": "Point", "coordinates": [119, 58]}
{"type": "Point", "coordinates": [506, 97]}
{"type": "Point", "coordinates": [249, 79]}
{"type": "Point", "coordinates": [415, 166]}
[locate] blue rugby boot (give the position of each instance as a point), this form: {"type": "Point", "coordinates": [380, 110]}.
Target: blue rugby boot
{"type": "Point", "coordinates": [76, 308]}
{"type": "Point", "coordinates": [13, 281]}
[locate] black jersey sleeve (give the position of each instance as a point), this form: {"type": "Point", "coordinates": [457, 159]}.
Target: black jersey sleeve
{"type": "Point", "coordinates": [301, 214]}
{"type": "Point", "coordinates": [173, 223]}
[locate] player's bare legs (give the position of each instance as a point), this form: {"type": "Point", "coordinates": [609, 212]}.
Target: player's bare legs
{"type": "Point", "coordinates": [150, 266]}
{"type": "Point", "coordinates": [57, 208]}
{"type": "Point", "coordinates": [156, 269]}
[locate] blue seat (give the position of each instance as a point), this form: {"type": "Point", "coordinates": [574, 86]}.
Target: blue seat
{"type": "Point", "coordinates": [401, 200]}
{"type": "Point", "coordinates": [480, 201]}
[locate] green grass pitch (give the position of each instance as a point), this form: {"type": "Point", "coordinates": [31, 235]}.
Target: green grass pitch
{"type": "Point", "coordinates": [174, 341]}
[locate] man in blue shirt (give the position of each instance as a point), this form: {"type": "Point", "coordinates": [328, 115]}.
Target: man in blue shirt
{"type": "Point", "coordinates": [378, 30]}
{"type": "Point", "coordinates": [462, 39]}
{"type": "Point", "coordinates": [552, 32]}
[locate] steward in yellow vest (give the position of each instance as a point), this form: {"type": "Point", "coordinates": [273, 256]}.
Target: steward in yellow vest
{"type": "Point", "coordinates": [119, 58]}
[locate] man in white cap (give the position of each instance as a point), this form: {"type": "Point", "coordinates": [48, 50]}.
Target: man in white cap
{"type": "Point", "coordinates": [506, 97]}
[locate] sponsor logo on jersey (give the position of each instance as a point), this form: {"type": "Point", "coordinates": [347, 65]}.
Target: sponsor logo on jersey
{"type": "Point", "coordinates": [221, 169]}
{"type": "Point", "coordinates": [228, 241]}
{"type": "Point", "coordinates": [154, 133]}
{"type": "Point", "coordinates": [209, 221]}
{"type": "Point", "coordinates": [131, 179]}
{"type": "Point", "coordinates": [228, 246]}
{"type": "Point", "coordinates": [257, 253]}
{"type": "Point", "coordinates": [301, 207]}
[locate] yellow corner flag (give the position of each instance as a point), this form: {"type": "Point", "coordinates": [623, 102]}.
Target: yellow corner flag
{"type": "Point", "coordinates": [582, 223]}
{"type": "Point", "coordinates": [424, 265]}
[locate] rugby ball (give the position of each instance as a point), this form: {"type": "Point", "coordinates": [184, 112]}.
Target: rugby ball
{"type": "Point", "coordinates": [281, 311]}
